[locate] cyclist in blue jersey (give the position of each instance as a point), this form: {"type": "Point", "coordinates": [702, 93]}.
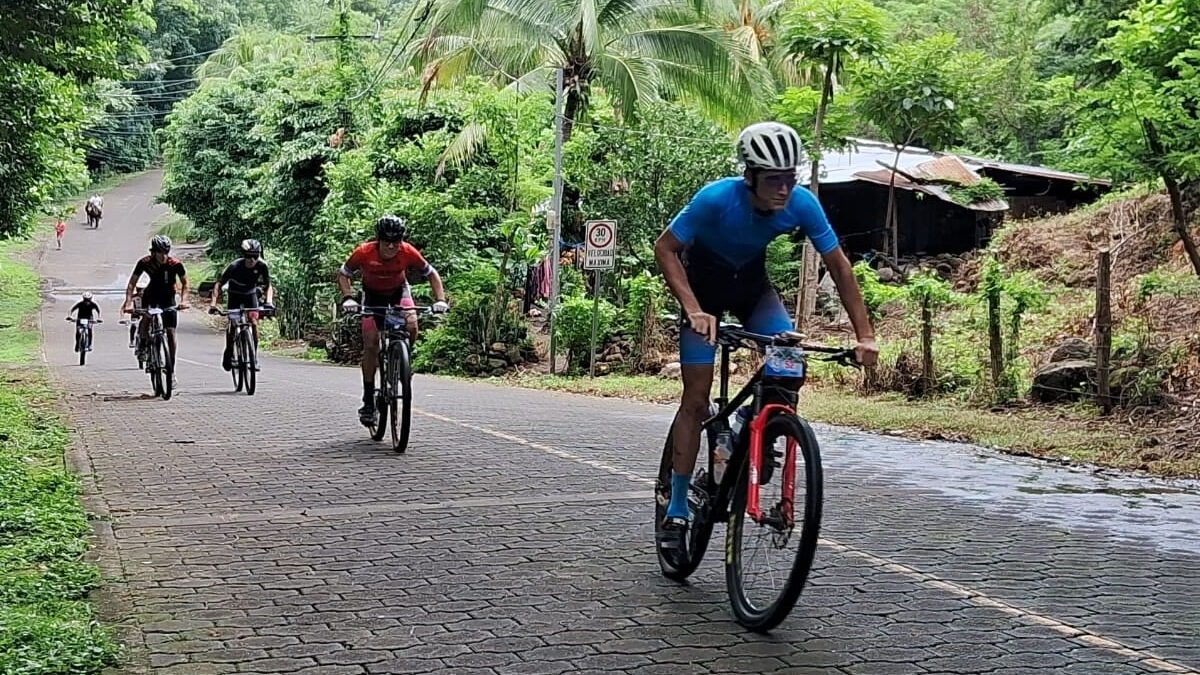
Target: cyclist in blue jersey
{"type": "Point", "coordinates": [713, 257]}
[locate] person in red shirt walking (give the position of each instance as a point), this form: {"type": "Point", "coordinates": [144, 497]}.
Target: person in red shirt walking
{"type": "Point", "coordinates": [384, 264]}
{"type": "Point", "coordinates": [59, 228]}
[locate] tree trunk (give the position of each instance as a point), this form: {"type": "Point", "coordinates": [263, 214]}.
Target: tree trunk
{"type": "Point", "coordinates": [498, 301]}
{"type": "Point", "coordinates": [995, 343]}
{"type": "Point", "coordinates": [1178, 212]}
{"type": "Point", "coordinates": [893, 230]}
{"type": "Point", "coordinates": [1104, 328]}
{"type": "Point", "coordinates": [811, 260]}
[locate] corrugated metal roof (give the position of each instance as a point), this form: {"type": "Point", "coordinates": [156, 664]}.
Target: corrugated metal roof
{"type": "Point", "coordinates": [933, 177]}
{"type": "Point", "coordinates": [866, 154]}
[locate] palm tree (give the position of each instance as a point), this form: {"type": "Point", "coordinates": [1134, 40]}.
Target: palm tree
{"type": "Point", "coordinates": [243, 49]}
{"type": "Point", "coordinates": [755, 26]}
{"type": "Point", "coordinates": [637, 50]}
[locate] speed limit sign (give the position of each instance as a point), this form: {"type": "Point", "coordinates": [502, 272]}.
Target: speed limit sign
{"type": "Point", "coordinates": [600, 245]}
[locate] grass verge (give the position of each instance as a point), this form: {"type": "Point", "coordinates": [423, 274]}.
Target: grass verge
{"type": "Point", "coordinates": [47, 624]}
{"type": "Point", "coordinates": [1052, 433]}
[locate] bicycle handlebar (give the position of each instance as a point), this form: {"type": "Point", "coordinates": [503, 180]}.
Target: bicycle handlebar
{"type": "Point", "coordinates": [734, 335]}
{"type": "Point", "coordinates": [390, 309]}
{"type": "Point", "coordinates": [76, 320]}
{"type": "Point", "coordinates": [265, 311]}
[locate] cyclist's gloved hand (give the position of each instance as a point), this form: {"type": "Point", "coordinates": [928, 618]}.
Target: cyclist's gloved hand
{"type": "Point", "coordinates": [440, 307]}
{"type": "Point", "coordinates": [212, 309]}
{"type": "Point", "coordinates": [270, 307]}
{"type": "Point", "coordinates": [349, 304]}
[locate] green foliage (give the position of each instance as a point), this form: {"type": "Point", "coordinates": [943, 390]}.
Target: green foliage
{"type": "Point", "coordinates": [875, 293]}
{"type": "Point", "coordinates": [50, 52]}
{"type": "Point", "coordinates": [573, 328]}
{"type": "Point", "coordinates": [831, 32]}
{"type": "Point", "coordinates": [1171, 284]}
{"type": "Point", "coordinates": [918, 93]}
{"type": "Point", "coordinates": [641, 175]}
{"type": "Point", "coordinates": [48, 626]}
{"type": "Point", "coordinates": [797, 107]}
{"type": "Point", "coordinates": [985, 190]}
{"type": "Point", "coordinates": [927, 287]}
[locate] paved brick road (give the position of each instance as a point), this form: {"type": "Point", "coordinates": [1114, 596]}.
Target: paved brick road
{"type": "Point", "coordinates": [266, 534]}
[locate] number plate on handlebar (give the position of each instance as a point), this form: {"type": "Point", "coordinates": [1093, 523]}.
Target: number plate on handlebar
{"type": "Point", "coordinates": [784, 361]}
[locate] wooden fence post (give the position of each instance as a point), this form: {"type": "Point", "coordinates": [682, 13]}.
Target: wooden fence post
{"type": "Point", "coordinates": [995, 344]}
{"type": "Point", "coordinates": [1104, 328]}
{"type": "Point", "coordinates": [927, 346]}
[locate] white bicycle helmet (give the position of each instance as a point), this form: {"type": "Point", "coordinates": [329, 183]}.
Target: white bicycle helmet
{"type": "Point", "coordinates": [769, 145]}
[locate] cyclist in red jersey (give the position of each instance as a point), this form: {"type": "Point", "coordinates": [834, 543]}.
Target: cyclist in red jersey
{"type": "Point", "coordinates": [384, 264]}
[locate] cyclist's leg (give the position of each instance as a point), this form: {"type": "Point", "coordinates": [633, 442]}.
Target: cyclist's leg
{"type": "Point", "coordinates": [170, 319]}
{"type": "Point", "coordinates": [770, 317]}
{"type": "Point", "coordinates": [370, 356]}
{"type": "Point", "coordinates": [696, 369]}
{"type": "Point", "coordinates": [410, 317]}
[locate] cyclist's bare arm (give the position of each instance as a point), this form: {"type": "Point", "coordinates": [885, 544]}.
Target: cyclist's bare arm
{"type": "Point", "coordinates": [216, 291]}
{"type": "Point", "coordinates": [435, 282]}
{"type": "Point", "coordinates": [129, 290]}
{"type": "Point", "coordinates": [183, 292]}
{"type": "Point", "coordinates": [666, 251]}
{"type": "Point", "coordinates": [843, 277]}
{"type": "Point", "coordinates": [343, 282]}
{"type": "Point", "coordinates": [270, 294]}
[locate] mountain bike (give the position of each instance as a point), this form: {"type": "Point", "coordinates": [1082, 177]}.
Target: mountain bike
{"type": "Point", "coordinates": [245, 349]}
{"type": "Point", "coordinates": [83, 336]}
{"type": "Point", "coordinates": [393, 388]}
{"type": "Point", "coordinates": [769, 488]}
{"type": "Point", "coordinates": [155, 355]}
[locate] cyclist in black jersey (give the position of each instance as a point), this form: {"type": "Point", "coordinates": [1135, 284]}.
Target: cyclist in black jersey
{"type": "Point", "coordinates": [244, 276]}
{"type": "Point", "coordinates": [87, 309]}
{"type": "Point", "coordinates": [165, 273]}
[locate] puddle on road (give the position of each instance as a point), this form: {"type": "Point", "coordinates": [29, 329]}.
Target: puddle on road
{"type": "Point", "coordinates": [1164, 512]}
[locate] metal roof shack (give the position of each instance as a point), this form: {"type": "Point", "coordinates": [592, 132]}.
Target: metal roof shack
{"type": "Point", "coordinates": [930, 220]}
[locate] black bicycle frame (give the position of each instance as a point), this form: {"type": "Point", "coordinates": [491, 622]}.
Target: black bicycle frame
{"type": "Point", "coordinates": [723, 495]}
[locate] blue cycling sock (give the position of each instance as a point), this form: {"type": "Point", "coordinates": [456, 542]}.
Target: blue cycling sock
{"type": "Point", "coordinates": [678, 508]}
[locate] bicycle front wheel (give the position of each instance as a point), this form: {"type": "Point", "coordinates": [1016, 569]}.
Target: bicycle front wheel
{"type": "Point", "coordinates": [82, 345]}
{"type": "Point", "coordinates": [248, 355]}
{"type": "Point", "coordinates": [168, 369]}
{"type": "Point", "coordinates": [768, 561]}
{"type": "Point", "coordinates": [400, 375]}
{"type": "Point", "coordinates": [238, 373]}
{"type": "Point", "coordinates": [154, 365]}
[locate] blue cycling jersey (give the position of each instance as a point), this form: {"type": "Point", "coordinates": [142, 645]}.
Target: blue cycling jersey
{"type": "Point", "coordinates": [721, 219]}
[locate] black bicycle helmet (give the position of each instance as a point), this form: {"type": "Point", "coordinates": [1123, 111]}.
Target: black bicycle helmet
{"type": "Point", "coordinates": [251, 247]}
{"type": "Point", "coordinates": [160, 244]}
{"type": "Point", "coordinates": [391, 228]}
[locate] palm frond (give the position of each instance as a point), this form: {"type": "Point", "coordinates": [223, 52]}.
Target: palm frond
{"type": "Point", "coordinates": [629, 80]}
{"type": "Point", "coordinates": [469, 140]}
{"type": "Point", "coordinates": [589, 28]}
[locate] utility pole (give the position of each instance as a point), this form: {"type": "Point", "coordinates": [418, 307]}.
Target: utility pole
{"type": "Point", "coordinates": [342, 58]}
{"type": "Point", "coordinates": [555, 214]}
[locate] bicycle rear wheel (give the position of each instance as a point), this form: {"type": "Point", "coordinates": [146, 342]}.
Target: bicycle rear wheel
{"type": "Point", "coordinates": [401, 398]}
{"type": "Point", "coordinates": [381, 398]}
{"type": "Point", "coordinates": [248, 371]}
{"type": "Point", "coordinates": [760, 554]}
{"type": "Point", "coordinates": [700, 524]}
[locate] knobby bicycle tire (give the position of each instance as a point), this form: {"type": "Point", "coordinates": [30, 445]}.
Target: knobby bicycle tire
{"type": "Point", "coordinates": [168, 370]}
{"type": "Point", "coordinates": [154, 366]}
{"type": "Point", "coordinates": [808, 459]}
{"type": "Point", "coordinates": [401, 380]}
{"type": "Point", "coordinates": [381, 398]}
{"type": "Point", "coordinates": [248, 363]}
{"type": "Point", "coordinates": [81, 343]}
{"type": "Point", "coordinates": [239, 375]}
{"type": "Point", "coordinates": [700, 530]}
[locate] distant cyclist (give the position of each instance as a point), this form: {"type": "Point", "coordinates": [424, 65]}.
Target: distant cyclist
{"type": "Point", "coordinates": [86, 309]}
{"type": "Point", "coordinates": [165, 274]}
{"type": "Point", "coordinates": [94, 209]}
{"type": "Point", "coordinates": [384, 264]}
{"type": "Point", "coordinates": [245, 276]}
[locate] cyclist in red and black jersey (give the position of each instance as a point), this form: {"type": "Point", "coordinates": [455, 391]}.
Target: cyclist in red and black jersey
{"type": "Point", "coordinates": [164, 273]}
{"type": "Point", "coordinates": [384, 264]}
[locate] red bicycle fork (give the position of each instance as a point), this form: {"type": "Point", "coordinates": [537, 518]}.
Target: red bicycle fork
{"type": "Point", "coordinates": [787, 503]}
